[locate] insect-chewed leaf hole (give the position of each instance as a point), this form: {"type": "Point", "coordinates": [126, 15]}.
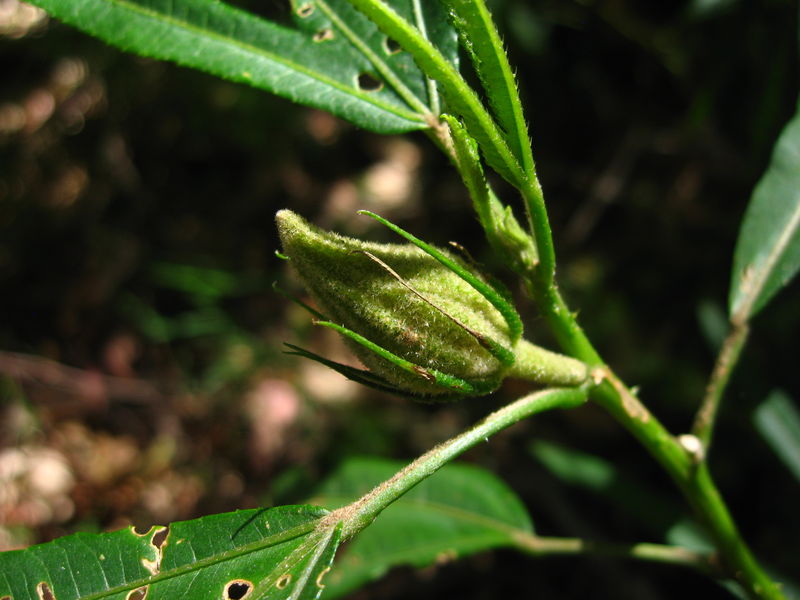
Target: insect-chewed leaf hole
{"type": "Point", "coordinates": [367, 82]}
{"type": "Point", "coordinates": [305, 10]}
{"type": "Point", "coordinates": [160, 537]}
{"type": "Point", "coordinates": [323, 35]}
{"type": "Point", "coordinates": [44, 592]}
{"type": "Point", "coordinates": [138, 593]}
{"type": "Point", "coordinates": [322, 574]}
{"type": "Point", "coordinates": [391, 46]}
{"type": "Point", "coordinates": [237, 589]}
{"type": "Point", "coordinates": [283, 581]}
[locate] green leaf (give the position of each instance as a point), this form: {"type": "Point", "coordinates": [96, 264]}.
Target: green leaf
{"type": "Point", "coordinates": [457, 511]}
{"type": "Point", "coordinates": [778, 421]}
{"type": "Point", "coordinates": [279, 552]}
{"type": "Point", "coordinates": [605, 479]}
{"type": "Point", "coordinates": [333, 59]}
{"type": "Point", "coordinates": [713, 323]}
{"type": "Point", "coordinates": [482, 41]}
{"type": "Point", "coordinates": [767, 252]}
{"type": "Point", "coordinates": [461, 99]}
{"type": "Point", "coordinates": [205, 285]}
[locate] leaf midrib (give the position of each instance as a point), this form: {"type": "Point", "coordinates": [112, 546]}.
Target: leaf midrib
{"type": "Point", "coordinates": [463, 514]}
{"type": "Point", "coordinates": [235, 552]}
{"type": "Point", "coordinates": [753, 292]}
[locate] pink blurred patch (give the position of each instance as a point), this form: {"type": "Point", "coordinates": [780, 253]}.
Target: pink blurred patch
{"type": "Point", "coordinates": [272, 406]}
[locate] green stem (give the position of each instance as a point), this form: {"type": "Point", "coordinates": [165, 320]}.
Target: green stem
{"type": "Point", "coordinates": [694, 480]}
{"type": "Point", "coordinates": [548, 546]}
{"type": "Point", "coordinates": [737, 559]}
{"type": "Point", "coordinates": [539, 224]}
{"type": "Point", "coordinates": [362, 512]}
{"type": "Point", "coordinates": [729, 355]}
{"type": "Point", "coordinates": [562, 322]}
{"type": "Point", "coordinates": [545, 367]}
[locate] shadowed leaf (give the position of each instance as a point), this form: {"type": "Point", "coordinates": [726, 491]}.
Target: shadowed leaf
{"type": "Point", "coordinates": [457, 511]}
{"type": "Point", "coordinates": [778, 421]}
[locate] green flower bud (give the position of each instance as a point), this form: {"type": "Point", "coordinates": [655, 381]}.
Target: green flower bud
{"type": "Point", "coordinates": [416, 316]}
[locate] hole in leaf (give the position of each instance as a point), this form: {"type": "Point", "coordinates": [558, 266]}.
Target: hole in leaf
{"type": "Point", "coordinates": [160, 537]}
{"type": "Point", "coordinates": [44, 592]}
{"type": "Point", "coordinates": [369, 83]}
{"type": "Point", "coordinates": [237, 589]}
{"type": "Point", "coordinates": [391, 46]}
{"type": "Point", "coordinates": [138, 593]}
{"type": "Point", "coordinates": [305, 10]}
{"type": "Point", "coordinates": [323, 35]}
{"type": "Point", "coordinates": [283, 581]}
{"type": "Point", "coordinates": [322, 574]}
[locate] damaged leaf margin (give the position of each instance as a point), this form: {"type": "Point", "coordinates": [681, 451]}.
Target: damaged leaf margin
{"type": "Point", "coordinates": [232, 555]}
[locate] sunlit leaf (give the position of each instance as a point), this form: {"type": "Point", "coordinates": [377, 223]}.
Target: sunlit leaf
{"type": "Point", "coordinates": [767, 252]}
{"type": "Point", "coordinates": [457, 511]}
{"type": "Point", "coordinates": [480, 38]}
{"type": "Point", "coordinates": [273, 552]}
{"type": "Point", "coordinates": [333, 58]}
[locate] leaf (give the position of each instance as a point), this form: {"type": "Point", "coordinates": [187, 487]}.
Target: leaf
{"type": "Point", "coordinates": [334, 58]}
{"type": "Point", "coordinates": [778, 421]}
{"type": "Point", "coordinates": [713, 323]}
{"type": "Point", "coordinates": [457, 511]}
{"type": "Point", "coordinates": [767, 252]}
{"type": "Point", "coordinates": [461, 99]}
{"type": "Point", "coordinates": [479, 36]}
{"type": "Point", "coordinates": [605, 479]}
{"type": "Point", "coordinates": [276, 550]}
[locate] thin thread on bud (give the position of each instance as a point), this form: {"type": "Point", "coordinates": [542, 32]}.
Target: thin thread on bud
{"type": "Point", "coordinates": [478, 337]}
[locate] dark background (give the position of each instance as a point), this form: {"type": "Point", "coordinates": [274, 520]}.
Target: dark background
{"type": "Point", "coordinates": [141, 369]}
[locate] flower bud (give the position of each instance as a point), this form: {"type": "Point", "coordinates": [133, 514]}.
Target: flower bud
{"type": "Point", "coordinates": [451, 340]}
{"type": "Point", "coordinates": [418, 317]}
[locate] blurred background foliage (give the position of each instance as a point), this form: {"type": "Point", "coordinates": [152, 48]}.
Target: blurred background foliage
{"type": "Point", "coordinates": [142, 378]}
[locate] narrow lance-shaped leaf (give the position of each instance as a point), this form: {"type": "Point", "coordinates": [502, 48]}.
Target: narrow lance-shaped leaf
{"type": "Point", "coordinates": [279, 553]}
{"type": "Point", "coordinates": [479, 36]}
{"type": "Point", "coordinates": [767, 252]}
{"type": "Point", "coordinates": [460, 510]}
{"type": "Point", "coordinates": [333, 59]}
{"type": "Point", "coordinates": [778, 421]}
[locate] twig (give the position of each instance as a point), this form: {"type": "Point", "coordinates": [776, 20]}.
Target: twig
{"type": "Point", "coordinates": [692, 478]}
{"type": "Point", "coordinates": [70, 380]}
{"type": "Point", "coordinates": [727, 359]}
{"type": "Point", "coordinates": [363, 511]}
{"type": "Point", "coordinates": [547, 546]}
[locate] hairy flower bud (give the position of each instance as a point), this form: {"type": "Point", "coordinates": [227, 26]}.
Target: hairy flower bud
{"type": "Point", "coordinates": [416, 316]}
